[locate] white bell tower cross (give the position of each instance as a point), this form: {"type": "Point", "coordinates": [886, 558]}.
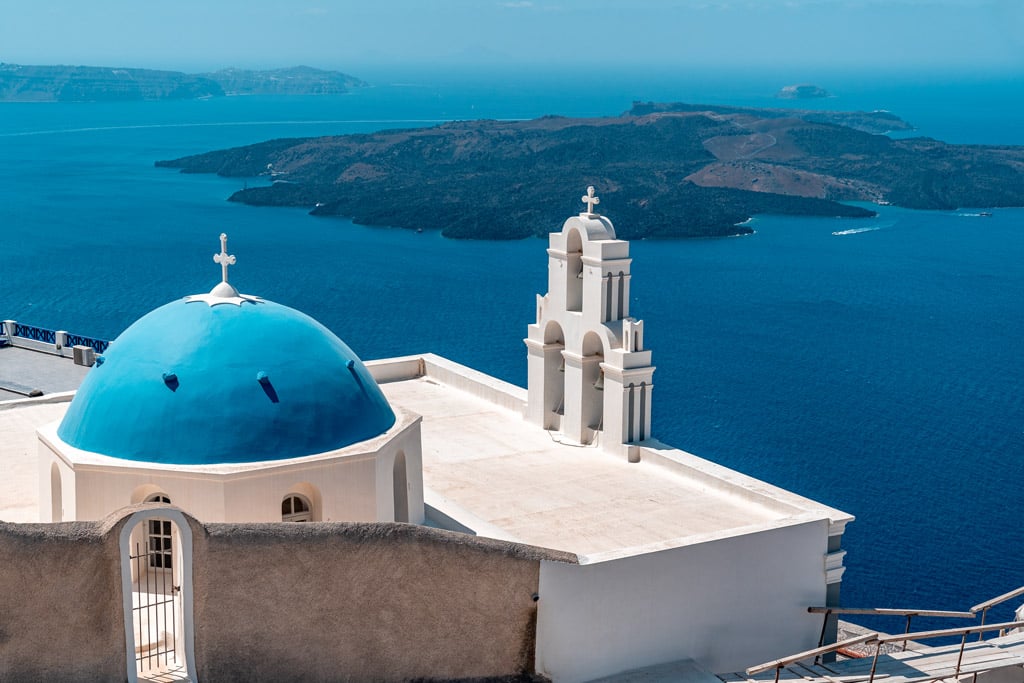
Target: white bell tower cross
{"type": "Point", "coordinates": [589, 376]}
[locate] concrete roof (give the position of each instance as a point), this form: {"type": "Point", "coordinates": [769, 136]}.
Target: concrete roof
{"type": "Point", "coordinates": [486, 462]}
{"type": "Point", "coordinates": [24, 370]}
{"type": "Point", "coordinates": [488, 469]}
{"type": "Point", "coordinates": [19, 485]}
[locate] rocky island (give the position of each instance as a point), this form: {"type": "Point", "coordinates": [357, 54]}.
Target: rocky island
{"type": "Point", "coordinates": [669, 170]}
{"type": "Point", "coordinates": [802, 91]}
{"type": "Point", "coordinates": [21, 83]}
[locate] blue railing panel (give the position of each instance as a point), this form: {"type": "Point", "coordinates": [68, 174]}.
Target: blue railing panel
{"type": "Point", "coordinates": [45, 336]}
{"type": "Point", "coordinates": [78, 340]}
{"type": "Point", "coordinates": [38, 334]}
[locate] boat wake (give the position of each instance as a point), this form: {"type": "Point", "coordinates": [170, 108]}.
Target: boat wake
{"type": "Point", "coordinates": [857, 231]}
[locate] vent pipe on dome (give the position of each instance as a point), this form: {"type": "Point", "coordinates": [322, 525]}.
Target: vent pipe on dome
{"type": "Point", "coordinates": [171, 380]}
{"type": "Point", "coordinates": [268, 388]}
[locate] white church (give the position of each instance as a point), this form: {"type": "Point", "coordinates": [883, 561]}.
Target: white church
{"type": "Point", "coordinates": [653, 555]}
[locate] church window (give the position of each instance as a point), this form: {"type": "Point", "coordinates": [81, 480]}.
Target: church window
{"type": "Point", "coordinates": [159, 541]}
{"type": "Point", "coordinates": [295, 508]}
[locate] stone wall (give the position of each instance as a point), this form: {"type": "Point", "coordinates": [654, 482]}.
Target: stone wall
{"type": "Point", "coordinates": [280, 602]}
{"type": "Point", "coordinates": [60, 603]}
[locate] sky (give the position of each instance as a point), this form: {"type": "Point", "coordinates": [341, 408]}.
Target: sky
{"type": "Point", "coordinates": [194, 35]}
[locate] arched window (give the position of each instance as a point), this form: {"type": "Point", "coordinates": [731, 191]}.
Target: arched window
{"type": "Point", "coordinates": [295, 508]}
{"type": "Point", "coordinates": [159, 541]}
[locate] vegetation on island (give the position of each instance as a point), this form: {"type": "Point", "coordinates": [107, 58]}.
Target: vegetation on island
{"type": "Point", "coordinates": [662, 170]}
{"type": "Point", "coordinates": [21, 83]}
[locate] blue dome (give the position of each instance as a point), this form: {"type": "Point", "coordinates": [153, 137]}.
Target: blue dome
{"type": "Point", "coordinates": [192, 384]}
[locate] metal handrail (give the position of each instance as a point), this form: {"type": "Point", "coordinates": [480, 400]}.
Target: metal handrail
{"type": "Point", "coordinates": [816, 652]}
{"type": "Point", "coordinates": [924, 635]}
{"type": "Point", "coordinates": [892, 612]}
{"type": "Point", "coordinates": [880, 640]}
{"type": "Point", "coordinates": [984, 607]}
{"type": "Point", "coordinates": [884, 611]}
{"type": "Point", "coordinates": [941, 633]}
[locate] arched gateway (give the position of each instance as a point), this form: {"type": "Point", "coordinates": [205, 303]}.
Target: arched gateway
{"type": "Point", "coordinates": [156, 590]}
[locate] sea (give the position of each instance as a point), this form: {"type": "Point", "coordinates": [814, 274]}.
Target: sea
{"type": "Point", "coordinates": [872, 364]}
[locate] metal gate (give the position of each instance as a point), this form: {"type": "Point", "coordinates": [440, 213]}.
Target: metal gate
{"type": "Point", "coordinates": [155, 600]}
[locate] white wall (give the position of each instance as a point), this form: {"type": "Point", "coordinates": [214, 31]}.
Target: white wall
{"type": "Point", "coordinates": [727, 604]}
{"type": "Point", "coordinates": [347, 484]}
{"type": "Point", "coordinates": [45, 461]}
{"type": "Point", "coordinates": [410, 444]}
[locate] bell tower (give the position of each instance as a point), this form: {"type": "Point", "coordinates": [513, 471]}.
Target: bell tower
{"type": "Point", "coordinates": [589, 376]}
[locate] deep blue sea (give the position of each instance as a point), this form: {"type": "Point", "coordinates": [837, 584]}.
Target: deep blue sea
{"type": "Point", "coordinates": [878, 370]}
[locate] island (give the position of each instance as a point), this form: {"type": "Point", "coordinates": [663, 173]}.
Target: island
{"type": "Point", "coordinates": [296, 80]}
{"type": "Point", "coordinates": [663, 170]}
{"type": "Point", "coordinates": [22, 83]}
{"type": "Point", "coordinates": [802, 91]}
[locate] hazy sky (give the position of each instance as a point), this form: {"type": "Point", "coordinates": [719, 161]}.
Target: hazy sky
{"type": "Point", "coordinates": [975, 35]}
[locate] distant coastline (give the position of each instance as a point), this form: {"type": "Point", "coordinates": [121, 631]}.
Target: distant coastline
{"type": "Point", "coordinates": [27, 83]}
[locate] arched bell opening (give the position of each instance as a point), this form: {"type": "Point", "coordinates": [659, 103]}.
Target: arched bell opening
{"type": "Point", "coordinates": [593, 384]}
{"type": "Point", "coordinates": [574, 271]}
{"type": "Point", "coordinates": [554, 375]}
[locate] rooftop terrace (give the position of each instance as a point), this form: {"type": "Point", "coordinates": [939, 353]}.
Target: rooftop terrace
{"type": "Point", "coordinates": [485, 468]}
{"type": "Point", "coordinates": [25, 371]}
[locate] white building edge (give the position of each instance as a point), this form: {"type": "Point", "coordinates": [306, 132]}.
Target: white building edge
{"type": "Point", "coordinates": [679, 558]}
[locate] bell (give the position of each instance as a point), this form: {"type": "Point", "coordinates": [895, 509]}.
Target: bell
{"type": "Point", "coordinates": [561, 366]}
{"type": "Point", "coordinates": [599, 384]}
